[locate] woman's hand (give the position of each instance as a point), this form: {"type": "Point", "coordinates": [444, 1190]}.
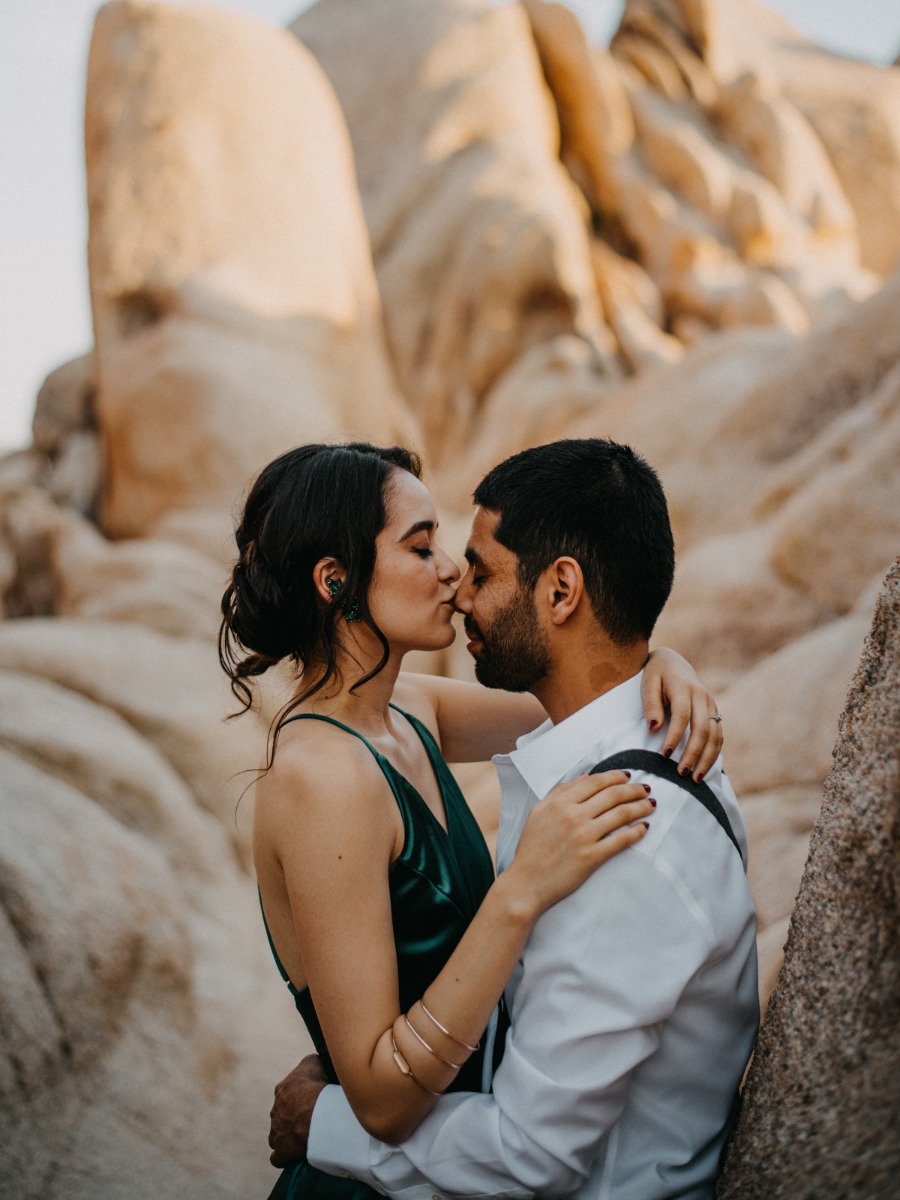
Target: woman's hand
{"type": "Point", "coordinates": [575, 829]}
{"type": "Point", "coordinates": [671, 682]}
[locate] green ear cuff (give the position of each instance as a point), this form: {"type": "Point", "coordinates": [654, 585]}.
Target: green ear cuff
{"type": "Point", "coordinates": [350, 608]}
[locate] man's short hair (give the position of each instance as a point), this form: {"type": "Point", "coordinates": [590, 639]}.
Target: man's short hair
{"type": "Point", "coordinates": [600, 503]}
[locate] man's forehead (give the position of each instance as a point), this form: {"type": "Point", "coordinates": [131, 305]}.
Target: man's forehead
{"type": "Point", "coordinates": [482, 546]}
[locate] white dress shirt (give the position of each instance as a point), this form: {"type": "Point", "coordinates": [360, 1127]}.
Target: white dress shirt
{"type": "Point", "coordinates": [634, 1008]}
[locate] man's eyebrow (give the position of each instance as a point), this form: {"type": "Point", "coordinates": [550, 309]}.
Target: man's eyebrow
{"type": "Point", "coordinates": [419, 527]}
{"type": "Point", "coordinates": [473, 558]}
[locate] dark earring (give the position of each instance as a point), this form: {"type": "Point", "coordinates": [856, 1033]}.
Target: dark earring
{"type": "Point", "coordinates": [350, 608]}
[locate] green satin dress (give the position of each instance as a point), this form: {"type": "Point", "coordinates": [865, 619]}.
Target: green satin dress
{"type": "Point", "coordinates": [436, 886]}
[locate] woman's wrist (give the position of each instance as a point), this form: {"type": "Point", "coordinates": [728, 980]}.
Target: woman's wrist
{"type": "Point", "coordinates": [517, 899]}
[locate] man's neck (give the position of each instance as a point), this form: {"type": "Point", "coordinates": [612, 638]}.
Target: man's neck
{"type": "Point", "coordinates": [577, 679]}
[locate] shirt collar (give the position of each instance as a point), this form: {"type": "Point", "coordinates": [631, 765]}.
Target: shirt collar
{"type": "Point", "coordinates": [549, 752]}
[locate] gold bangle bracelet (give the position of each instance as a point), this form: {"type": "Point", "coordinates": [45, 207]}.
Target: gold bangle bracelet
{"type": "Point", "coordinates": [447, 1032]}
{"type": "Point", "coordinates": [405, 1069]}
{"type": "Point", "coordinates": [431, 1050]}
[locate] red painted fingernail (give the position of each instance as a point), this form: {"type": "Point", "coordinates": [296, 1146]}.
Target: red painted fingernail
{"type": "Point", "coordinates": [627, 774]}
{"type": "Point", "coordinates": [668, 751]}
{"type": "Point", "coordinates": [654, 725]}
{"type": "Point", "coordinates": [653, 802]}
{"type": "Point", "coordinates": [701, 776]}
{"type": "Point", "coordinates": [646, 787]}
{"type": "Point", "coordinates": [646, 824]}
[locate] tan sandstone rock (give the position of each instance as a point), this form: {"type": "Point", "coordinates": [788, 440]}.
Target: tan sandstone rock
{"type": "Point", "coordinates": [782, 715]}
{"type": "Point", "coordinates": [779, 824]}
{"type": "Point", "coordinates": [752, 178]}
{"type": "Point", "coordinates": [162, 584]}
{"type": "Point", "coordinates": [230, 269]}
{"type": "Point", "coordinates": [819, 1112]}
{"type": "Point", "coordinates": [730, 607]}
{"type": "Point", "coordinates": [740, 407]}
{"type": "Point", "coordinates": [852, 106]}
{"type": "Point", "coordinates": [169, 688]}
{"type": "Point", "coordinates": [479, 236]}
{"type": "Point", "coordinates": [592, 123]}
{"type": "Point", "coordinates": [845, 524]}
{"type": "Point", "coordinates": [89, 747]}
{"type": "Point", "coordinates": [140, 1018]}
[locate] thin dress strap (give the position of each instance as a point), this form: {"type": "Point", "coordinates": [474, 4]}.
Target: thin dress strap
{"type": "Point", "coordinates": [339, 724]}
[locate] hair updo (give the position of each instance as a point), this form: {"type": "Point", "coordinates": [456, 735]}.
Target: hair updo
{"type": "Point", "coordinates": [313, 502]}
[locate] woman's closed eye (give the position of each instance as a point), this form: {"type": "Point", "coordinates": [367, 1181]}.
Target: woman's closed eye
{"type": "Point", "coordinates": [423, 551]}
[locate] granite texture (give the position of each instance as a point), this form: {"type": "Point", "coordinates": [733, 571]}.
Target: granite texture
{"type": "Point", "coordinates": [820, 1111]}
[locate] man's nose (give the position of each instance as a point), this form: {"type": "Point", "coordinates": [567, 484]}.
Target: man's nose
{"type": "Point", "coordinates": [463, 598]}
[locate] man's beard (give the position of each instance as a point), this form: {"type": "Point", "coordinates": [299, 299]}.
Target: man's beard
{"type": "Point", "coordinates": [514, 652]}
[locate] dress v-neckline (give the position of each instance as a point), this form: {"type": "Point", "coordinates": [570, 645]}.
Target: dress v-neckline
{"type": "Point", "coordinates": [443, 826]}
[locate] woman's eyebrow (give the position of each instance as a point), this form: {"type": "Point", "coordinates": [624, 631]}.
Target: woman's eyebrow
{"type": "Point", "coordinates": [419, 527]}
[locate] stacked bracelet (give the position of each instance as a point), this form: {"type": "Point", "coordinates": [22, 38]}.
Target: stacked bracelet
{"type": "Point", "coordinates": [446, 1032]}
{"type": "Point", "coordinates": [405, 1069]}
{"type": "Point", "coordinates": [431, 1050]}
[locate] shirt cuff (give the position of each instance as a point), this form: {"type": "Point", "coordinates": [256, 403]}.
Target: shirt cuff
{"type": "Point", "coordinates": [338, 1143]}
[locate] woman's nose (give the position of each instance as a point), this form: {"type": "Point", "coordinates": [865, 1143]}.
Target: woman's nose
{"type": "Point", "coordinates": [450, 572]}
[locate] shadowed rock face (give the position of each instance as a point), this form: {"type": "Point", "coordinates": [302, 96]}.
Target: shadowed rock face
{"type": "Point", "coordinates": [497, 236]}
{"type": "Point", "coordinates": [821, 1102]}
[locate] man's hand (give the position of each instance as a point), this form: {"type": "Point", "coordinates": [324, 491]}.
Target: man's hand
{"type": "Point", "coordinates": [295, 1098]}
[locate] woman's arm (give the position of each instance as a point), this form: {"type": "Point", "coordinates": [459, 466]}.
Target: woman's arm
{"type": "Point", "coordinates": [335, 823]}
{"type": "Point", "coordinates": [474, 722]}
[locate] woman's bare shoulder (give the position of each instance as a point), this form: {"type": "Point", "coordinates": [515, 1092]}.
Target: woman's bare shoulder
{"type": "Point", "coordinates": [416, 694]}
{"type": "Point", "coordinates": [315, 762]}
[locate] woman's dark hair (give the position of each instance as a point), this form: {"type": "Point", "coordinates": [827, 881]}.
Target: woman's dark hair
{"type": "Point", "coordinates": [314, 502]}
{"type": "Point", "coordinates": [600, 503]}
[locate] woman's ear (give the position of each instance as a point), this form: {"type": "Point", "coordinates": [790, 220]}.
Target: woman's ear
{"type": "Point", "coordinates": [328, 578]}
{"type": "Point", "coordinates": [564, 589]}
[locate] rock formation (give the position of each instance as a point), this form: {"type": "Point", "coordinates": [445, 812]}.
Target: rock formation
{"type": "Point", "coordinates": [500, 236]}
{"type": "Point", "coordinates": [478, 234]}
{"type": "Point", "coordinates": [820, 1105]}
{"type": "Point", "coordinates": [236, 280]}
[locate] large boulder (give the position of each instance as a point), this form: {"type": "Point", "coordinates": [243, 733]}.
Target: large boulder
{"type": "Point", "coordinates": [479, 236]}
{"type": "Point", "coordinates": [778, 736]}
{"type": "Point", "coordinates": [853, 106]}
{"type": "Point", "coordinates": [719, 424]}
{"type": "Point", "coordinates": [126, 1043]}
{"type": "Point", "coordinates": [169, 688]}
{"type": "Point", "coordinates": [819, 1113]}
{"type": "Point", "coordinates": [235, 306]}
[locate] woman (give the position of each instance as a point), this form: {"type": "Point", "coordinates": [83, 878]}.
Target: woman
{"type": "Point", "coordinates": [376, 885]}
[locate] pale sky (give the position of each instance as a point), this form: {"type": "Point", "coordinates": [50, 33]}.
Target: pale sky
{"type": "Point", "coordinates": [44, 304]}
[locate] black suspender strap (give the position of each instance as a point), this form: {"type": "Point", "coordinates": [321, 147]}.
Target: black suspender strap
{"type": "Point", "coordinates": [665, 768]}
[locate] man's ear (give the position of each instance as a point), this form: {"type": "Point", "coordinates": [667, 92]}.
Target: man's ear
{"type": "Point", "coordinates": [563, 587]}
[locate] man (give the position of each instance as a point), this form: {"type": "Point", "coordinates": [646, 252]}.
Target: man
{"type": "Point", "coordinates": [634, 1007]}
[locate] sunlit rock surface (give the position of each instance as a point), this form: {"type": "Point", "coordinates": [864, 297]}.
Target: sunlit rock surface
{"type": "Point", "coordinates": [233, 293]}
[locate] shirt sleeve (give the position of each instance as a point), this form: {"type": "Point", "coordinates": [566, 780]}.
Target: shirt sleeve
{"type": "Point", "coordinates": [584, 1016]}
